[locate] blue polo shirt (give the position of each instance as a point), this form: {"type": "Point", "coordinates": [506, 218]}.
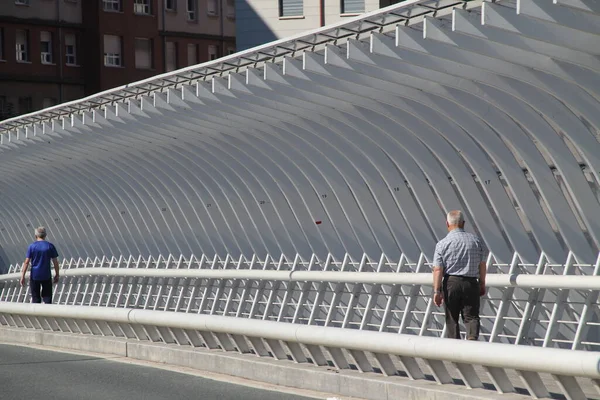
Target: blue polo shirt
{"type": "Point", "coordinates": [40, 254]}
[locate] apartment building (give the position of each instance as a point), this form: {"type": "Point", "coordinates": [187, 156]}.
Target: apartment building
{"type": "Point", "coordinates": [39, 54]}
{"type": "Point", "coordinates": [52, 51]}
{"type": "Point", "coordinates": [263, 21]}
{"type": "Point", "coordinates": [130, 40]}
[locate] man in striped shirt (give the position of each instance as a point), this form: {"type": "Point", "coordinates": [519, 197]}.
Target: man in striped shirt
{"type": "Point", "coordinates": [459, 269]}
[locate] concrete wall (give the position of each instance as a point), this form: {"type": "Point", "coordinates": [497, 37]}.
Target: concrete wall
{"type": "Point", "coordinates": [258, 21]}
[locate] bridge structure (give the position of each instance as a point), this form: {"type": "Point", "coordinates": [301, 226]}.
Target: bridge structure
{"type": "Point", "coordinates": [301, 186]}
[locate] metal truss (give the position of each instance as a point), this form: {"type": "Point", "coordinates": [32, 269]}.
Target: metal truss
{"type": "Point", "coordinates": [543, 372]}
{"type": "Point", "coordinates": [544, 304]}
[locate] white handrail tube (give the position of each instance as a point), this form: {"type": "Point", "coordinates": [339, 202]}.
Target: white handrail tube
{"type": "Point", "coordinates": [576, 282]}
{"type": "Point", "coordinates": [527, 358]}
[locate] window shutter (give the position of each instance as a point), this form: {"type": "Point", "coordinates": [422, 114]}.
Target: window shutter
{"type": "Point", "coordinates": [353, 6]}
{"type": "Point", "coordinates": [171, 56]}
{"type": "Point", "coordinates": [112, 44]}
{"type": "Point", "coordinates": [21, 37]}
{"type": "Point", "coordinates": [45, 36]}
{"type": "Point", "coordinates": [192, 53]}
{"type": "Point", "coordinates": [143, 53]}
{"type": "Point", "coordinates": [212, 52]}
{"type": "Point", "coordinates": [212, 7]}
{"type": "Point", "coordinates": [70, 39]}
{"type": "Point", "coordinates": [291, 8]}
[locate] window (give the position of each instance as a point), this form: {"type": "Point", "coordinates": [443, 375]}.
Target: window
{"type": "Point", "coordinates": [141, 7]}
{"type": "Point", "coordinates": [230, 50]}
{"type": "Point", "coordinates": [1, 43]}
{"type": "Point", "coordinates": [112, 51]}
{"type": "Point", "coordinates": [7, 109]}
{"type": "Point", "coordinates": [170, 5]}
{"type": "Point", "coordinates": [143, 53]}
{"type": "Point", "coordinates": [212, 52]}
{"type": "Point", "coordinates": [25, 105]}
{"type": "Point", "coordinates": [46, 47]}
{"type": "Point", "coordinates": [22, 42]}
{"type": "Point", "coordinates": [213, 7]}
{"type": "Point", "coordinates": [3, 107]}
{"type": "Point", "coordinates": [111, 5]}
{"type": "Point", "coordinates": [353, 6]}
{"type": "Point", "coordinates": [22, 2]}
{"type": "Point", "coordinates": [70, 49]}
{"type": "Point", "coordinates": [291, 8]}
{"type": "Point", "coordinates": [192, 54]}
{"type": "Point", "coordinates": [191, 10]}
{"type": "Point", "coordinates": [171, 56]}
{"type": "Point", "coordinates": [49, 102]}
{"type": "Point", "coordinates": [230, 8]}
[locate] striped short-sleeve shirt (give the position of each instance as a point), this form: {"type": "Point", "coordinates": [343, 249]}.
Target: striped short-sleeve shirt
{"type": "Point", "coordinates": [460, 253]}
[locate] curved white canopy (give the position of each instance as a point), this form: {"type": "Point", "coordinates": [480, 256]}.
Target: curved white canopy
{"type": "Point", "coordinates": [356, 138]}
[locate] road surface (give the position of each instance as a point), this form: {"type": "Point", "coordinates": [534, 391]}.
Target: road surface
{"type": "Point", "coordinates": [32, 373]}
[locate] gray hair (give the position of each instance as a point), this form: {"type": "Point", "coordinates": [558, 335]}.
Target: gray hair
{"type": "Point", "coordinates": [40, 232]}
{"type": "Point", "coordinates": [455, 217]}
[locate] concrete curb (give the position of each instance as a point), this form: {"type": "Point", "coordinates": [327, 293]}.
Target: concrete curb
{"type": "Point", "coordinates": [369, 386]}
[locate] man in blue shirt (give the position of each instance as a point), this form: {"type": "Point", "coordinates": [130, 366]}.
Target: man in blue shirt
{"type": "Point", "coordinates": [40, 253]}
{"type": "Point", "coordinates": [459, 272]}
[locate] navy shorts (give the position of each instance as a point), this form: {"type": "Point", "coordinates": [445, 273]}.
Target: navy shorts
{"type": "Point", "coordinates": [41, 290]}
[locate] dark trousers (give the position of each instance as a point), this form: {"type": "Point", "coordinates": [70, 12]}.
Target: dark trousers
{"type": "Point", "coordinates": [461, 297]}
{"type": "Point", "coordinates": [41, 290]}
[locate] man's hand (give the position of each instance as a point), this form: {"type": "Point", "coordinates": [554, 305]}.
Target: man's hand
{"type": "Point", "coordinates": [22, 281]}
{"type": "Point", "coordinates": [56, 278]}
{"type": "Point", "coordinates": [482, 289]}
{"type": "Point", "coordinates": [438, 299]}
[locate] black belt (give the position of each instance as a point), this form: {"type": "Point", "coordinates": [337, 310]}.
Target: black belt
{"type": "Point", "coordinates": [461, 276]}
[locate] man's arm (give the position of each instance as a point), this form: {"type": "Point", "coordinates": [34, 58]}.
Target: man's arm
{"type": "Point", "coordinates": [24, 270]}
{"type": "Point", "coordinates": [438, 275]}
{"type": "Point", "coordinates": [55, 262]}
{"type": "Point", "coordinates": [483, 268]}
{"type": "Point", "coordinates": [482, 275]}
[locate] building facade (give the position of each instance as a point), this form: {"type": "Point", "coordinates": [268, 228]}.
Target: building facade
{"type": "Point", "coordinates": [52, 51]}
{"type": "Point", "coordinates": [263, 21]}
{"type": "Point", "coordinates": [39, 66]}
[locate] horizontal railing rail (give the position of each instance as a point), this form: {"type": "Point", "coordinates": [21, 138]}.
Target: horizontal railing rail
{"type": "Point", "coordinates": [571, 266]}
{"type": "Point", "coordinates": [366, 351]}
{"type": "Point", "coordinates": [540, 308]}
{"type": "Point", "coordinates": [527, 281]}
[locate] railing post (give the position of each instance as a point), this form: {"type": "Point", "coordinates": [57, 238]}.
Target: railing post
{"type": "Point", "coordinates": [588, 307]}
{"type": "Point", "coordinates": [557, 309]}
{"type": "Point", "coordinates": [532, 303]}
{"type": "Point", "coordinates": [407, 315]}
{"type": "Point", "coordinates": [505, 302]}
{"type": "Point", "coordinates": [392, 297]}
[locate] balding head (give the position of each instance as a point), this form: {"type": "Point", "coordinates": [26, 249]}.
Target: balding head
{"type": "Point", "coordinates": [40, 232]}
{"type": "Point", "coordinates": [455, 219]}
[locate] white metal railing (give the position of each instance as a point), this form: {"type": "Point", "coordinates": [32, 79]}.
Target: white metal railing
{"type": "Point", "coordinates": [344, 348]}
{"type": "Point", "coordinates": [571, 266]}
{"type": "Point", "coordinates": [542, 308]}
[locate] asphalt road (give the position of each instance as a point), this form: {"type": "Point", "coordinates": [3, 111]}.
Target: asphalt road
{"type": "Point", "coordinates": [29, 373]}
